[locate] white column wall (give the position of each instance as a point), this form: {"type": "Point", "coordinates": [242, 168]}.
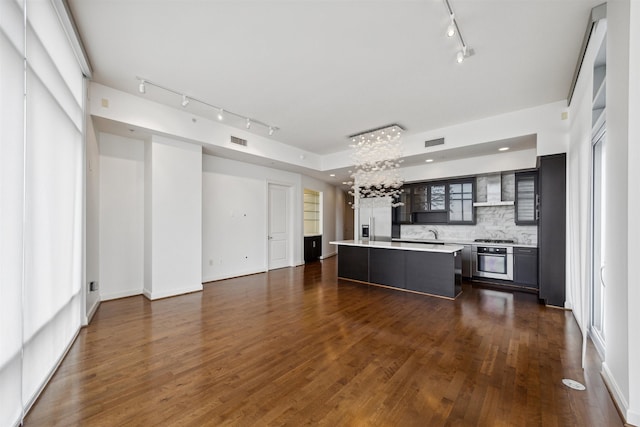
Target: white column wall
{"type": "Point", "coordinates": [121, 239]}
{"type": "Point", "coordinates": [175, 234]}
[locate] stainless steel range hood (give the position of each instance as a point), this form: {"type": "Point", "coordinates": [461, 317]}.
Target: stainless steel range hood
{"type": "Point", "coordinates": [494, 192]}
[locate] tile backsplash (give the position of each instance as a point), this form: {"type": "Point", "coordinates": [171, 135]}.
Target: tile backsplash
{"type": "Point", "coordinates": [492, 222]}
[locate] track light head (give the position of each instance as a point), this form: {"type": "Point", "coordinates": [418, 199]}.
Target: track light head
{"type": "Point", "coordinates": [141, 87]}
{"type": "Point", "coordinates": [462, 54]}
{"type": "Point", "coordinates": [248, 123]}
{"type": "Point", "coordinates": [221, 114]}
{"type": "Point", "coordinates": [451, 29]}
{"type": "Point", "coordinates": [185, 100]}
{"type": "Point", "coordinates": [271, 130]}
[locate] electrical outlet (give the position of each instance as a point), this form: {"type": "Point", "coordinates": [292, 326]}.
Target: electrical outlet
{"type": "Point", "coordinates": [93, 286]}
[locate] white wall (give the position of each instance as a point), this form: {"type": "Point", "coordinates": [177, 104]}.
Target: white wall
{"type": "Point", "coordinates": [234, 244]}
{"type": "Point", "coordinates": [544, 121]}
{"type": "Point", "coordinates": [623, 298]}
{"type": "Point", "coordinates": [121, 240]}
{"type": "Point", "coordinates": [163, 120]}
{"type": "Point", "coordinates": [92, 219]}
{"type": "Point", "coordinates": [508, 161]}
{"type": "Point", "coordinates": [176, 218]}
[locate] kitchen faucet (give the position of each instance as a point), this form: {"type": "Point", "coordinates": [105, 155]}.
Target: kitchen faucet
{"type": "Point", "coordinates": [435, 234]}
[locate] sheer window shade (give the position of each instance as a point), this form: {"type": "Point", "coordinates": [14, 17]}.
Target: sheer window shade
{"type": "Point", "coordinates": [42, 160]}
{"type": "Point", "coordinates": [11, 207]}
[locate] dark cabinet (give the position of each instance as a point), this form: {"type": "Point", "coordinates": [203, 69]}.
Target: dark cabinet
{"type": "Point", "coordinates": [312, 248]}
{"type": "Point", "coordinates": [526, 203]}
{"type": "Point", "coordinates": [439, 202]}
{"type": "Point", "coordinates": [402, 214]}
{"type": "Point", "coordinates": [525, 267]}
{"type": "Point", "coordinates": [460, 196]}
{"type": "Point", "coordinates": [429, 203]}
{"type": "Point", "coordinates": [552, 228]}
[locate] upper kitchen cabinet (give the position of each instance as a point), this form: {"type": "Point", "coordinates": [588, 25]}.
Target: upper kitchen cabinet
{"type": "Point", "coordinates": [429, 203]}
{"type": "Point", "coordinates": [526, 203]}
{"type": "Point", "coordinates": [552, 226]}
{"type": "Point", "coordinates": [438, 202]}
{"type": "Point", "coordinates": [461, 201]}
{"type": "Point", "coordinates": [402, 214]}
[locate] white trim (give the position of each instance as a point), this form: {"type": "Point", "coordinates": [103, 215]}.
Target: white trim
{"type": "Point", "coordinates": [618, 396]}
{"type": "Point", "coordinates": [92, 311]}
{"type": "Point", "coordinates": [215, 278]}
{"type": "Point", "coordinates": [69, 26]}
{"type": "Point", "coordinates": [120, 294]}
{"type": "Point", "coordinates": [334, 253]}
{"type": "Point", "coordinates": [173, 292]}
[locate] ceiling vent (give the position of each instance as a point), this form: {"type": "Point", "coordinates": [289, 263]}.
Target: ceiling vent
{"type": "Point", "coordinates": [239, 141]}
{"type": "Point", "coordinates": [434, 142]}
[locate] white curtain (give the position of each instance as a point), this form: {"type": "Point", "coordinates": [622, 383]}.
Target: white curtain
{"type": "Point", "coordinates": [11, 207]}
{"type": "Point", "coordinates": [41, 210]}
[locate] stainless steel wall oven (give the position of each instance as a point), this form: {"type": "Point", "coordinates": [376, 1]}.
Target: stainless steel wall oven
{"type": "Point", "coordinates": [494, 262]}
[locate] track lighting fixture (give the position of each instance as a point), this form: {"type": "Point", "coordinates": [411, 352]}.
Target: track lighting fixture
{"type": "Point", "coordinates": [454, 29]}
{"type": "Point", "coordinates": [451, 29]}
{"type": "Point", "coordinates": [186, 99]}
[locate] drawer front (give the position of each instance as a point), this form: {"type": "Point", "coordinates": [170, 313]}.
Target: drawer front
{"type": "Point", "coordinates": [525, 251]}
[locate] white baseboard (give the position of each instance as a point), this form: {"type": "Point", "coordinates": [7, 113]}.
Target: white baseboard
{"type": "Point", "coordinates": [329, 255]}
{"type": "Point", "coordinates": [618, 397]}
{"type": "Point", "coordinates": [172, 292]}
{"type": "Point", "coordinates": [93, 310]}
{"type": "Point", "coordinates": [120, 294]}
{"type": "Point", "coordinates": [217, 277]}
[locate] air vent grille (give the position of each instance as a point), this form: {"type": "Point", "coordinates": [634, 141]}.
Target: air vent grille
{"type": "Point", "coordinates": [239, 141]}
{"type": "Point", "coordinates": [434, 142]}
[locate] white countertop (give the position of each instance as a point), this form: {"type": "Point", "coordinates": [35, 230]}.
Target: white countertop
{"type": "Point", "coordinates": [423, 247]}
{"type": "Point", "coordinates": [463, 242]}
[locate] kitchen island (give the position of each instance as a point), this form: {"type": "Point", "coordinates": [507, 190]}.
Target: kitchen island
{"type": "Point", "coordinates": [431, 269]}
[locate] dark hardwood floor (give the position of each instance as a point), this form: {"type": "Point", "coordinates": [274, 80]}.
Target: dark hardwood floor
{"type": "Point", "coordinates": [298, 347]}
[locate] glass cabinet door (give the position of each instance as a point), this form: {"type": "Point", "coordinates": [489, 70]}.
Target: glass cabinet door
{"type": "Point", "coordinates": [461, 202]}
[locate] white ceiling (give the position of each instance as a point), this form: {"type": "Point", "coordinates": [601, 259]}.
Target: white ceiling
{"type": "Point", "coordinates": [322, 70]}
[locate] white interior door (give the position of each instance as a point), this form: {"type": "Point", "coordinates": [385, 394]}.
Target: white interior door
{"type": "Point", "coordinates": [278, 237]}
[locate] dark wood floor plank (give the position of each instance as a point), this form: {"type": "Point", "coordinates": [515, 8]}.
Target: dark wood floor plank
{"type": "Point", "coordinates": [298, 347]}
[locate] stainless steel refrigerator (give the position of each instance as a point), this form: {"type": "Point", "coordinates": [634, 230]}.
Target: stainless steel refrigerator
{"type": "Point", "coordinates": [374, 219]}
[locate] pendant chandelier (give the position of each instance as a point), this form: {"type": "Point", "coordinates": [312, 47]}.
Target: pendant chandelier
{"type": "Point", "coordinates": [377, 161]}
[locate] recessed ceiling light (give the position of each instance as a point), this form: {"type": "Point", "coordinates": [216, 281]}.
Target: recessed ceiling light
{"type": "Point", "coordinates": [503, 149]}
{"type": "Point", "coordinates": [429, 160]}
{"type": "Point", "coordinates": [332, 175]}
